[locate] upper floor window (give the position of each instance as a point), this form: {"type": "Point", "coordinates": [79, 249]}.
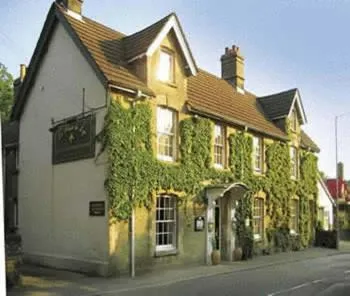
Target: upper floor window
{"type": "Point", "coordinates": [294, 120]}
{"type": "Point", "coordinates": [166, 66]}
{"type": "Point", "coordinates": [258, 151]}
{"type": "Point", "coordinates": [294, 216]}
{"type": "Point", "coordinates": [166, 223]}
{"type": "Point", "coordinates": [258, 218]}
{"type": "Point", "coordinates": [294, 162]}
{"type": "Point", "coordinates": [219, 146]}
{"type": "Point", "coordinates": [166, 125]}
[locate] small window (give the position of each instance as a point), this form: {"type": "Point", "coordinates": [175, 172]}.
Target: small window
{"type": "Point", "coordinates": [166, 120]}
{"type": "Point", "coordinates": [166, 66]}
{"type": "Point", "coordinates": [258, 218]}
{"type": "Point", "coordinates": [258, 154]}
{"type": "Point", "coordinates": [294, 216]}
{"type": "Point", "coordinates": [166, 223]}
{"type": "Point", "coordinates": [294, 120]}
{"type": "Point", "coordinates": [294, 162]}
{"type": "Point", "coordinates": [219, 146]}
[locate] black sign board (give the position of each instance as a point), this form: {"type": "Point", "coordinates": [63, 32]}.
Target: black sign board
{"type": "Point", "coordinates": [74, 139]}
{"type": "Point", "coordinates": [97, 208]}
{"type": "Point", "coordinates": [199, 223]}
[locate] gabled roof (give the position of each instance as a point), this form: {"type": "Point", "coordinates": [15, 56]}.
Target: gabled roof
{"type": "Point", "coordinates": [280, 105]}
{"type": "Point", "coordinates": [324, 187]}
{"type": "Point", "coordinates": [307, 142]}
{"type": "Point", "coordinates": [145, 42]}
{"type": "Point", "coordinates": [213, 95]}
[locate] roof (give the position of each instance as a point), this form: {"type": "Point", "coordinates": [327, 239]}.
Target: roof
{"type": "Point", "coordinates": [342, 188]}
{"type": "Point", "coordinates": [307, 142]}
{"type": "Point", "coordinates": [108, 52]}
{"type": "Point", "coordinates": [325, 189]}
{"type": "Point", "coordinates": [106, 48]}
{"type": "Point", "coordinates": [139, 42]}
{"type": "Point", "coordinates": [208, 93]}
{"type": "Point", "coordinates": [278, 105]}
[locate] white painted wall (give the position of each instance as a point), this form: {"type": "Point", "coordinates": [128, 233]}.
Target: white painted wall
{"type": "Point", "coordinates": [325, 202]}
{"type": "Point", "coordinates": [54, 200]}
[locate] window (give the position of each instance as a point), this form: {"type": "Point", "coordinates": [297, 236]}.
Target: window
{"type": "Point", "coordinates": [219, 146]}
{"type": "Point", "coordinates": [166, 119]}
{"type": "Point", "coordinates": [294, 162]}
{"type": "Point", "coordinates": [258, 154]}
{"type": "Point", "coordinates": [258, 218]}
{"type": "Point", "coordinates": [294, 122]}
{"type": "Point", "coordinates": [294, 216]}
{"type": "Point", "coordinates": [166, 223]}
{"type": "Point", "coordinates": [165, 67]}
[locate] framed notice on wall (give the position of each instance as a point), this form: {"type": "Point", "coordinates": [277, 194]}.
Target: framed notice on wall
{"type": "Point", "coordinates": [97, 208]}
{"type": "Point", "coordinates": [74, 139]}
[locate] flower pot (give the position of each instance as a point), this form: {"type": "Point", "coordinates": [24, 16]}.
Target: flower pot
{"type": "Point", "coordinates": [237, 254]}
{"type": "Point", "coordinates": [215, 257]}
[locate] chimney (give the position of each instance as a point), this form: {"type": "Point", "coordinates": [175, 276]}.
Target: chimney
{"type": "Point", "coordinates": [22, 71]}
{"type": "Point", "coordinates": [74, 6]}
{"type": "Point", "coordinates": [232, 67]}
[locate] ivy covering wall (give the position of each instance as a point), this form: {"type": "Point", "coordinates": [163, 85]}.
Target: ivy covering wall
{"type": "Point", "coordinates": [133, 171]}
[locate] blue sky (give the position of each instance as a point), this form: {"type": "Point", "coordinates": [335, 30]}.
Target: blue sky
{"type": "Point", "coordinates": [286, 44]}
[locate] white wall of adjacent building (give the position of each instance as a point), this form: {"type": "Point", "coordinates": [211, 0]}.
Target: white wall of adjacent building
{"type": "Point", "coordinates": [325, 204]}
{"type": "Point", "coordinates": [54, 200]}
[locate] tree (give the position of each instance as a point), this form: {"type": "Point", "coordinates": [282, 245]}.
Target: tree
{"type": "Point", "coordinates": [6, 93]}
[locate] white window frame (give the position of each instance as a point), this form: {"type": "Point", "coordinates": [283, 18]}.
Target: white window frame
{"type": "Point", "coordinates": [294, 216]}
{"type": "Point", "coordinates": [217, 144]}
{"type": "Point", "coordinates": [258, 151]}
{"type": "Point", "coordinates": [260, 217]}
{"type": "Point", "coordinates": [164, 131]}
{"type": "Point", "coordinates": [294, 118]}
{"type": "Point", "coordinates": [165, 56]}
{"type": "Point", "coordinates": [172, 246]}
{"type": "Point", "coordinates": [294, 161]}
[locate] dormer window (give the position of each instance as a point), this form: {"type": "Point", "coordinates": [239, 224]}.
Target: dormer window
{"type": "Point", "coordinates": [294, 121]}
{"type": "Point", "coordinates": [166, 66]}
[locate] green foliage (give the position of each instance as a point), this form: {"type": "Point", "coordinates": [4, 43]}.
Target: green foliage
{"type": "Point", "coordinates": [6, 93]}
{"type": "Point", "coordinates": [135, 175]}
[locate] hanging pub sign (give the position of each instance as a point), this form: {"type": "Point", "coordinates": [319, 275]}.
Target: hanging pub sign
{"type": "Point", "coordinates": [97, 208]}
{"type": "Point", "coordinates": [74, 139]}
{"type": "Point", "coordinates": [199, 223]}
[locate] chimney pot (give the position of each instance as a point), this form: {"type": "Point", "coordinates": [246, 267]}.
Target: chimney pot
{"type": "Point", "coordinates": [72, 5]}
{"type": "Point", "coordinates": [22, 71]}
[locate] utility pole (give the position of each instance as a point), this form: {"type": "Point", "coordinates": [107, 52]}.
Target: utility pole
{"type": "Point", "coordinates": [337, 181]}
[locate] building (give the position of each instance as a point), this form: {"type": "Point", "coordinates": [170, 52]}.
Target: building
{"type": "Point", "coordinates": [326, 206]}
{"type": "Point", "coordinates": [118, 131]}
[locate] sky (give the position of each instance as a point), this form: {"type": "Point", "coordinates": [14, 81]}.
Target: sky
{"type": "Point", "coordinates": [286, 44]}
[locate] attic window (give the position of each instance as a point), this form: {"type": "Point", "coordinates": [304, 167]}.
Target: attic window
{"type": "Point", "coordinates": [166, 66]}
{"type": "Point", "coordinates": [294, 120]}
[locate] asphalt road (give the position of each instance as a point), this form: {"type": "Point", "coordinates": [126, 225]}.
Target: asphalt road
{"type": "Point", "coordinates": [327, 276]}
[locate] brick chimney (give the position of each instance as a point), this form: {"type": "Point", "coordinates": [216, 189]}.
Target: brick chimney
{"type": "Point", "coordinates": [232, 67]}
{"type": "Point", "coordinates": [74, 6]}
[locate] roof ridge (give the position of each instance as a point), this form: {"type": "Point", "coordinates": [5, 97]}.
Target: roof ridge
{"type": "Point", "coordinates": [90, 20]}
{"type": "Point", "coordinates": [279, 93]}
{"type": "Point", "coordinates": [153, 24]}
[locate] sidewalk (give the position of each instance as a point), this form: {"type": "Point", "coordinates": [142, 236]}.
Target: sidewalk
{"type": "Point", "coordinates": [38, 281]}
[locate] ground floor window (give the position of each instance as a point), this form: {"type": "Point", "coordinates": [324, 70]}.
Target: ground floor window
{"type": "Point", "coordinates": [258, 218]}
{"type": "Point", "coordinates": [166, 223]}
{"type": "Point", "coordinates": [294, 216]}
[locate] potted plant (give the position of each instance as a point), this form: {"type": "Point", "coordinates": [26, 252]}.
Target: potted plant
{"type": "Point", "coordinates": [215, 254]}
{"type": "Point", "coordinates": [237, 254]}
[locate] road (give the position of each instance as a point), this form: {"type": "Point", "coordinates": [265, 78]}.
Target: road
{"type": "Point", "coordinates": [327, 276]}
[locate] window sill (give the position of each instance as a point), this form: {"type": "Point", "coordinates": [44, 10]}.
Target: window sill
{"type": "Point", "coordinates": [257, 238]}
{"type": "Point", "coordinates": [163, 253]}
{"type": "Point", "coordinates": [258, 173]}
{"type": "Point", "coordinates": [293, 233]}
{"type": "Point", "coordinates": [218, 166]}
{"type": "Point", "coordinates": [166, 159]}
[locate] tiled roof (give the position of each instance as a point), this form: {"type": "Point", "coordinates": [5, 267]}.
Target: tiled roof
{"type": "Point", "coordinates": [139, 42]}
{"type": "Point", "coordinates": [278, 105]}
{"type": "Point", "coordinates": [106, 48]}
{"type": "Point", "coordinates": [307, 142]}
{"type": "Point", "coordinates": [211, 94]}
